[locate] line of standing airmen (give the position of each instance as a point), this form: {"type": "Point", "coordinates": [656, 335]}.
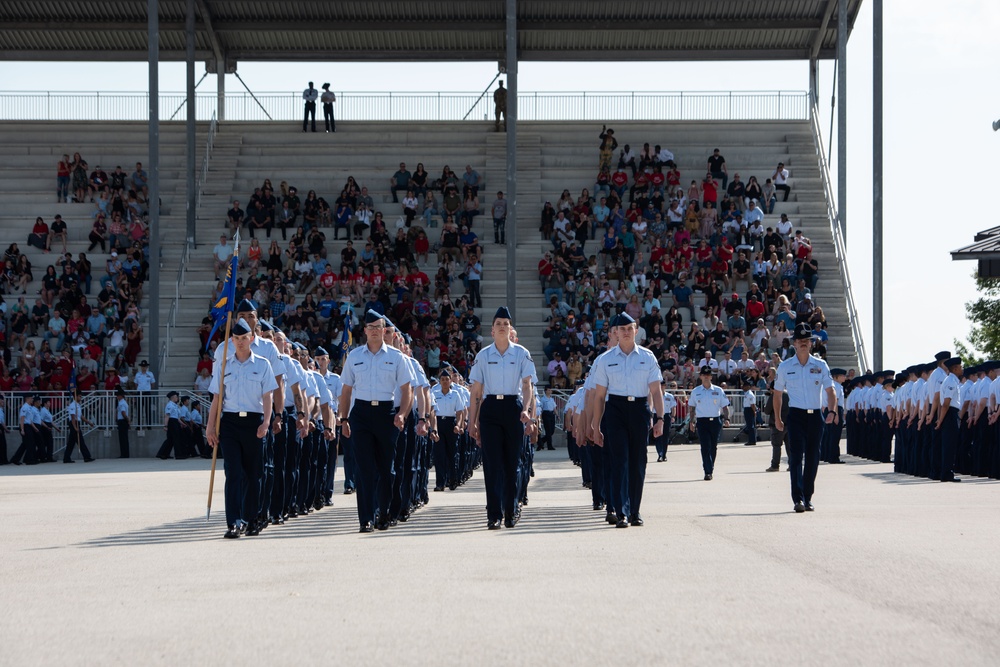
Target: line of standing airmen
{"type": "Point", "coordinates": [943, 419]}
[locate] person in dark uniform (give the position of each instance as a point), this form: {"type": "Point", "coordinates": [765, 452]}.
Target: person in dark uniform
{"type": "Point", "coordinates": [500, 106]}
{"type": "Point", "coordinates": [806, 379]}
{"type": "Point", "coordinates": [830, 448]}
{"type": "Point", "coordinates": [328, 98]}
{"type": "Point", "coordinates": [245, 405]}
{"type": "Point", "coordinates": [371, 373]}
{"type": "Point", "coordinates": [172, 425]}
{"type": "Point", "coordinates": [547, 404]}
{"type": "Point", "coordinates": [708, 407]}
{"type": "Point", "coordinates": [76, 419]}
{"type": "Point", "coordinates": [947, 418]}
{"type": "Point", "coordinates": [628, 375]}
{"type": "Point", "coordinates": [449, 403]}
{"type": "Point", "coordinates": [310, 95]}
{"type": "Point", "coordinates": [28, 451]}
{"type": "Point", "coordinates": [123, 421]}
{"type": "Point", "coordinates": [3, 437]}
{"type": "Point", "coordinates": [48, 429]}
{"type": "Point", "coordinates": [502, 379]}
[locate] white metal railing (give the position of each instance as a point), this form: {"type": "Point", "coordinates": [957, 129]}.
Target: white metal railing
{"type": "Point", "coordinates": [145, 410]}
{"type": "Point", "coordinates": [417, 106]}
{"type": "Point", "coordinates": [838, 240]}
{"type": "Point", "coordinates": [213, 127]}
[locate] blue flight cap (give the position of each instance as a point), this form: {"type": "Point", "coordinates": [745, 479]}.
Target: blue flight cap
{"type": "Point", "coordinates": [371, 317]}
{"type": "Point", "coordinates": [241, 328]}
{"type": "Point", "coordinates": [943, 355]}
{"type": "Point", "coordinates": [246, 306]}
{"type": "Point", "coordinates": [266, 326]}
{"type": "Point", "coordinates": [503, 314]}
{"type": "Point", "coordinates": [838, 371]}
{"type": "Point", "coordinates": [321, 352]}
{"type": "Point", "coordinates": [951, 362]}
{"type": "Point", "coordinates": [621, 320]}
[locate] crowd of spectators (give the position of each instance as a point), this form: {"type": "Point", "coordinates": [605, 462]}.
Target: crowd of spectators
{"type": "Point", "coordinates": [59, 334]}
{"type": "Point", "coordinates": [312, 286]}
{"type": "Point", "coordinates": [703, 270]}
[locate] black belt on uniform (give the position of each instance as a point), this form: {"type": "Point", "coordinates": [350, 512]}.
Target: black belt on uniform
{"type": "Point", "coordinates": [708, 419]}
{"type": "Point", "coordinates": [640, 400]}
{"type": "Point", "coordinates": [375, 404]}
{"type": "Point", "coordinates": [503, 397]}
{"type": "Point", "coordinates": [446, 417]}
{"type": "Point", "coordinates": [244, 415]}
{"type": "Point", "coordinates": [805, 410]}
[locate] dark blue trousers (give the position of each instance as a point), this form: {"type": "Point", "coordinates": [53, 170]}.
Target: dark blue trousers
{"type": "Point", "coordinates": [243, 462]}
{"type": "Point", "coordinates": [750, 427]}
{"type": "Point", "coordinates": [292, 447]}
{"type": "Point", "coordinates": [501, 434]}
{"type": "Point", "coordinates": [350, 462]}
{"type": "Point", "coordinates": [446, 455]}
{"type": "Point", "coordinates": [664, 440]}
{"type": "Point", "coordinates": [625, 426]}
{"type": "Point", "coordinates": [949, 444]}
{"type": "Point", "coordinates": [805, 430]}
{"type": "Point", "coordinates": [278, 454]}
{"type": "Point", "coordinates": [374, 437]}
{"type": "Point", "coordinates": [402, 486]}
{"type": "Point", "coordinates": [597, 485]}
{"type": "Point", "coordinates": [709, 429]}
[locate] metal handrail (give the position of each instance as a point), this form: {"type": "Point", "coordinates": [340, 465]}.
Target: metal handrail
{"type": "Point", "coordinates": [213, 127]}
{"type": "Point", "coordinates": [145, 410]}
{"type": "Point", "coordinates": [597, 106]}
{"type": "Point", "coordinates": [839, 246]}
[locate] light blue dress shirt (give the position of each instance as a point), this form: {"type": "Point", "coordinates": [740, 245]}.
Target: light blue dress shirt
{"type": "Point", "coordinates": [805, 384]}
{"type": "Point", "coordinates": [627, 374]}
{"type": "Point", "coordinates": [448, 405]}
{"type": "Point", "coordinates": [247, 383]}
{"type": "Point", "coordinates": [501, 374]}
{"type": "Point", "coordinates": [375, 377]}
{"type": "Point", "coordinates": [707, 403]}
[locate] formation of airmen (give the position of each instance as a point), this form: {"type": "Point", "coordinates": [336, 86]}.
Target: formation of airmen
{"type": "Point", "coordinates": [622, 403]}
{"type": "Point", "coordinates": [943, 419]}
{"type": "Point", "coordinates": [282, 414]}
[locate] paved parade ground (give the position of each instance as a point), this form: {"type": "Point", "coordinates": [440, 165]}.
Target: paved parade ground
{"type": "Point", "coordinates": [113, 563]}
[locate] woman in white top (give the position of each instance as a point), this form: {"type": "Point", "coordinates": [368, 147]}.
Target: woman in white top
{"type": "Point", "coordinates": [410, 204]}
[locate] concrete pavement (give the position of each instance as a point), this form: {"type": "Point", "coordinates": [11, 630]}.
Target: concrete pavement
{"type": "Point", "coordinates": [113, 563]}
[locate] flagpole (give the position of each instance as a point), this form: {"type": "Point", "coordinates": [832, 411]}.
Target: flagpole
{"type": "Point", "coordinates": [218, 414]}
{"type": "Point", "coordinates": [222, 376]}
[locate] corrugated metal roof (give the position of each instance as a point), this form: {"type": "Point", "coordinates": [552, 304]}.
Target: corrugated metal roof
{"type": "Point", "coordinates": [432, 29]}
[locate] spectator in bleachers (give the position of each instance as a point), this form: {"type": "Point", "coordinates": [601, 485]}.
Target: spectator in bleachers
{"type": "Point", "coordinates": [717, 167]}
{"type": "Point", "coordinates": [400, 181]}
{"type": "Point", "coordinates": [39, 236]}
{"type": "Point", "coordinates": [98, 234]}
{"type": "Point", "coordinates": [58, 232]}
{"type": "Point", "coordinates": [81, 182]}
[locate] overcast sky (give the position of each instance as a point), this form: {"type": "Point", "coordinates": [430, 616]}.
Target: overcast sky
{"type": "Point", "coordinates": [940, 98]}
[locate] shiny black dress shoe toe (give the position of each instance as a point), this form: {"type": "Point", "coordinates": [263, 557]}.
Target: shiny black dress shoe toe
{"type": "Point", "coordinates": [368, 528]}
{"type": "Point", "coordinates": [493, 525]}
{"type": "Point", "coordinates": [635, 520]}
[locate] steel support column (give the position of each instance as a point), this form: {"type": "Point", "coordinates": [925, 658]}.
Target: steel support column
{"type": "Point", "coordinates": [191, 126]}
{"type": "Point", "coordinates": [877, 285]}
{"type": "Point", "coordinates": [842, 116]}
{"type": "Point", "coordinates": [220, 86]}
{"type": "Point", "coordinates": [153, 349]}
{"type": "Point", "coordinates": [510, 117]}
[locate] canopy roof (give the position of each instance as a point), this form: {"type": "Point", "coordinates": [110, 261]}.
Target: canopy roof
{"type": "Point", "coordinates": [443, 30]}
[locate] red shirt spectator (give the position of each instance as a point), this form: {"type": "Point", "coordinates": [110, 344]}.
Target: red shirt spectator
{"type": "Point", "coordinates": [656, 253]}
{"type": "Point", "coordinates": [86, 381]}
{"type": "Point", "coordinates": [686, 252]}
{"type": "Point", "coordinates": [674, 179]}
{"type": "Point", "coordinates": [417, 279]}
{"type": "Point", "coordinates": [703, 253]}
{"type": "Point", "coordinates": [545, 267]}
{"type": "Point", "coordinates": [725, 251]}
{"type": "Point", "coordinates": [6, 382]}
{"type": "Point", "coordinates": [40, 227]}
{"type": "Point", "coordinates": [755, 309]}
{"type": "Point", "coordinates": [376, 279]}
{"type": "Point", "coordinates": [619, 179]}
{"type": "Point", "coordinates": [328, 279]}
{"type": "Point", "coordinates": [95, 350]}
{"type": "Point", "coordinates": [710, 190]}
{"type": "Point", "coordinates": [422, 245]}
{"type": "Point", "coordinates": [111, 380]}
{"type": "Point", "coordinates": [657, 178]}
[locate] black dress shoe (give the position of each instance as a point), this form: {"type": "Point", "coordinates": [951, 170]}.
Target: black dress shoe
{"type": "Point", "coordinates": [810, 508]}
{"type": "Point", "coordinates": [799, 507]}
{"type": "Point", "coordinates": [382, 524]}
{"type": "Point", "coordinates": [253, 529]}
{"type": "Point", "coordinates": [232, 534]}
{"type": "Point", "coordinates": [404, 517]}
{"type": "Point", "coordinates": [598, 506]}
{"type": "Point", "coordinates": [393, 522]}
{"type": "Point", "coordinates": [368, 528]}
{"type": "Point", "coordinates": [524, 501]}
{"type": "Point", "coordinates": [69, 461]}
{"type": "Point", "coordinates": [452, 487]}
{"type": "Point", "coordinates": [622, 522]}
{"type": "Point", "coordinates": [708, 478]}
{"type": "Point", "coordinates": [348, 492]}
{"type": "Point", "coordinates": [509, 521]}
{"type": "Point", "coordinates": [493, 525]}
{"type": "Point", "coordinates": [327, 502]}
{"type": "Point", "coordinates": [89, 460]}
{"type": "Point", "coordinates": [611, 518]}
{"type": "Point", "coordinates": [439, 488]}
{"type": "Point", "coordinates": [635, 520]}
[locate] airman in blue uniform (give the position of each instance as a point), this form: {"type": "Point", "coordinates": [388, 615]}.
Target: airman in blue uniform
{"type": "Point", "coordinates": [708, 406]}
{"type": "Point", "coordinates": [371, 374]}
{"type": "Point", "coordinates": [245, 403]}
{"type": "Point", "coordinates": [947, 418]}
{"type": "Point", "coordinates": [628, 375]}
{"type": "Point", "coordinates": [502, 379]}
{"type": "Point", "coordinates": [806, 380]}
{"type": "Point", "coordinates": [74, 413]}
